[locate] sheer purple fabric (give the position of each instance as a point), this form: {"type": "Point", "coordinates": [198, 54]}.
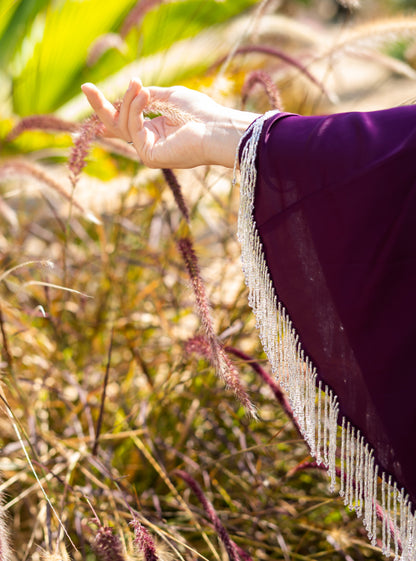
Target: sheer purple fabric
{"type": "Point", "coordinates": [335, 207]}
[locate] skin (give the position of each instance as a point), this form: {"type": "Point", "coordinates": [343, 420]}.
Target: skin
{"type": "Point", "coordinates": [212, 137]}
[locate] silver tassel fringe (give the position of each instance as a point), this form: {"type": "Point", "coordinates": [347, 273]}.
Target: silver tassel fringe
{"type": "Point", "coordinates": [386, 510]}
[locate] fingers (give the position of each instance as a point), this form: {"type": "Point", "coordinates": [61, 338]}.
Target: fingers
{"type": "Point", "coordinates": [134, 88]}
{"type": "Point", "coordinates": [104, 109]}
{"type": "Point", "coordinates": [136, 119]}
{"type": "Point", "coordinates": [118, 122]}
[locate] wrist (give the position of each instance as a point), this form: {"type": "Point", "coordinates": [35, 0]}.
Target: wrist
{"type": "Point", "coordinates": [225, 135]}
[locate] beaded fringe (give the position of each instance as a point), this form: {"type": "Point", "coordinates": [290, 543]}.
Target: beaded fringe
{"type": "Point", "coordinates": [385, 509]}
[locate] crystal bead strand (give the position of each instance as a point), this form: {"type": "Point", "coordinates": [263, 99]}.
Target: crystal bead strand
{"type": "Point", "coordinates": [361, 480]}
{"type": "Point", "coordinates": [303, 387]}
{"type": "Point", "coordinates": [342, 456]}
{"type": "Point", "coordinates": [384, 509]}
{"type": "Point", "coordinates": [374, 472]}
{"type": "Point", "coordinates": [351, 469]}
{"type": "Point", "coordinates": [347, 464]}
{"type": "Point", "coordinates": [319, 423]}
{"type": "Point", "coordinates": [358, 466]}
{"type": "Point", "coordinates": [403, 523]}
{"type": "Point", "coordinates": [278, 371]}
{"type": "Point", "coordinates": [325, 435]}
{"type": "Point", "coordinates": [333, 432]}
{"type": "Point", "coordinates": [388, 528]}
{"type": "Point", "coordinates": [312, 423]}
{"type": "Point", "coordinates": [395, 528]}
{"type": "Point", "coordinates": [367, 497]}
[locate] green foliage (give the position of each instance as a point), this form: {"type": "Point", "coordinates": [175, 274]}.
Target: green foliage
{"type": "Point", "coordinates": [66, 30]}
{"type": "Point", "coordinates": [175, 21]}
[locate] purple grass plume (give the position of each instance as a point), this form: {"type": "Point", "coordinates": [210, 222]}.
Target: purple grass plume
{"type": "Point", "coordinates": [264, 79]}
{"type": "Point", "coordinates": [107, 546]}
{"type": "Point", "coordinates": [200, 345]}
{"type": "Point", "coordinates": [216, 354]}
{"type": "Point", "coordinates": [277, 53]}
{"type": "Point", "coordinates": [234, 552]}
{"type": "Point", "coordinates": [144, 541]}
{"type": "Point", "coordinates": [104, 43]}
{"type": "Point", "coordinates": [270, 381]}
{"type": "Point", "coordinates": [88, 132]}
{"type": "Point", "coordinates": [48, 123]}
{"type": "Point", "coordinates": [176, 189]}
{"type": "Point", "coordinates": [136, 14]}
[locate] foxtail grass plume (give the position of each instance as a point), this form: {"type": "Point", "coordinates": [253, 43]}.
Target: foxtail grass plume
{"type": "Point", "coordinates": [56, 556]}
{"type": "Point", "coordinates": [136, 15]}
{"type": "Point", "coordinates": [219, 359]}
{"type": "Point", "coordinates": [144, 541]}
{"type": "Point", "coordinates": [23, 168]}
{"type": "Point", "coordinates": [269, 380]}
{"type": "Point", "coordinates": [42, 123]}
{"type": "Point", "coordinates": [277, 53]}
{"type": "Point", "coordinates": [43, 263]}
{"type": "Point", "coordinates": [376, 34]}
{"type": "Point", "coordinates": [176, 189]}
{"type": "Point", "coordinates": [200, 345]}
{"type": "Point", "coordinates": [108, 546]}
{"type": "Point", "coordinates": [89, 130]}
{"type": "Point", "coordinates": [172, 112]}
{"type": "Point", "coordinates": [104, 43]}
{"type": "Point", "coordinates": [264, 79]}
{"type": "Point", "coordinates": [234, 552]}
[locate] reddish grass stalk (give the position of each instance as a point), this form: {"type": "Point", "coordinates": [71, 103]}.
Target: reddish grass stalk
{"type": "Point", "coordinates": [144, 541]}
{"type": "Point", "coordinates": [190, 259]}
{"type": "Point", "coordinates": [263, 78]}
{"type": "Point", "coordinates": [230, 546]}
{"type": "Point", "coordinates": [43, 123]}
{"type": "Point", "coordinates": [222, 363]}
{"type": "Point", "coordinates": [107, 546]}
{"type": "Point", "coordinates": [176, 189]}
{"type": "Point", "coordinates": [276, 53]}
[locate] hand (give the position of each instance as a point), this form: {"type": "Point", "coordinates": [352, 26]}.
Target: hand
{"type": "Point", "coordinates": [205, 133]}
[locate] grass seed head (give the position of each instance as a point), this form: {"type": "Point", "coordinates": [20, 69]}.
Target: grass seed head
{"type": "Point", "coordinates": [144, 541]}
{"type": "Point", "coordinates": [108, 546]}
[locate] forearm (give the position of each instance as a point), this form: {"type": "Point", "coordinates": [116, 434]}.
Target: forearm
{"type": "Point", "coordinates": [224, 136]}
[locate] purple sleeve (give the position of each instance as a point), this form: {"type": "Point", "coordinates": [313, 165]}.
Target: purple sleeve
{"type": "Point", "coordinates": [335, 208]}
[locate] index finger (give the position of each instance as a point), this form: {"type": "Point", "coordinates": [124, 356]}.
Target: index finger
{"type": "Point", "coordinates": [104, 109]}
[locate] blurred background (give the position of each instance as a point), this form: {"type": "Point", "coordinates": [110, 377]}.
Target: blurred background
{"type": "Point", "coordinates": [112, 411]}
